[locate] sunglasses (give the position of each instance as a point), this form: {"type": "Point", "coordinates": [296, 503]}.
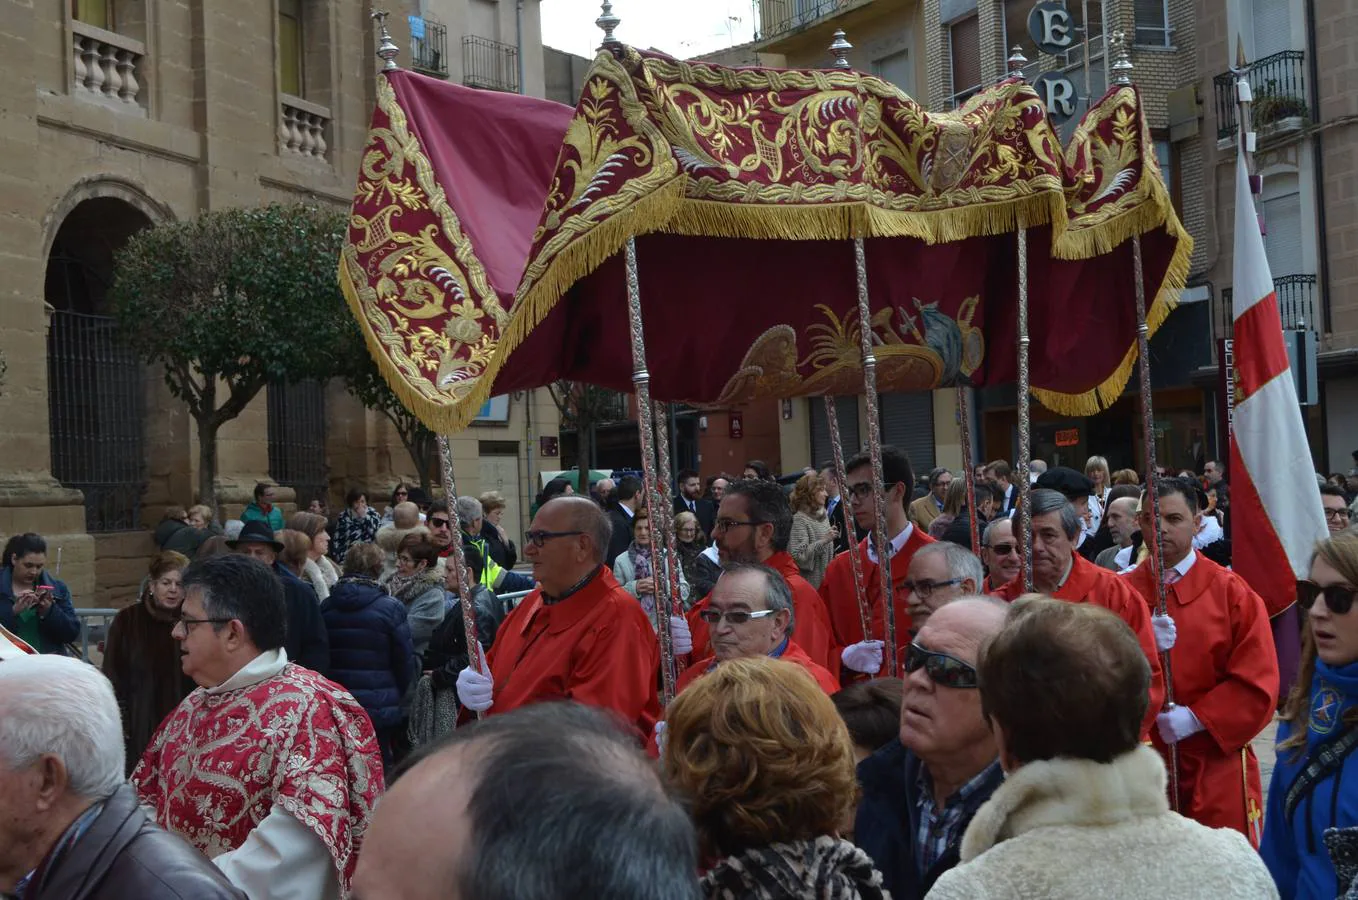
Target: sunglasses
{"type": "Point", "coordinates": [942, 669]}
{"type": "Point", "coordinates": [439, 523]}
{"type": "Point", "coordinates": [735, 616]}
{"type": "Point", "coordinates": [1338, 597]}
{"type": "Point", "coordinates": [1004, 549]}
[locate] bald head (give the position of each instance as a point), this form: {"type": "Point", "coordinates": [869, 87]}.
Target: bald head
{"type": "Point", "coordinates": [405, 515]}
{"type": "Point", "coordinates": [973, 620]}
{"type": "Point", "coordinates": [1121, 519]}
{"type": "Point", "coordinates": [548, 801]}
{"type": "Point", "coordinates": [584, 515]}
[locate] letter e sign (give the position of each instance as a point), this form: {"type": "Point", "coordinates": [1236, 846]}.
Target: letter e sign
{"type": "Point", "coordinates": [1050, 26]}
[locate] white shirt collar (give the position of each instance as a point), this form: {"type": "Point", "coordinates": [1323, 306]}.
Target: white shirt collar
{"type": "Point", "coordinates": [261, 668]}
{"type": "Point", "coordinates": [711, 553]}
{"type": "Point", "coordinates": [1123, 558]}
{"type": "Point", "coordinates": [897, 542]}
{"type": "Point", "coordinates": [631, 513]}
{"type": "Point", "coordinates": [1186, 563]}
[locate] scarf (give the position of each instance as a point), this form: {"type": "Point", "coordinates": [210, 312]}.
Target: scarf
{"type": "Point", "coordinates": [642, 568]}
{"type": "Point", "coordinates": [826, 868]}
{"type": "Point", "coordinates": [407, 588]}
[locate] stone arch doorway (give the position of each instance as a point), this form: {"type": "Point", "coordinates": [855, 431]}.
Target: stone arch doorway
{"type": "Point", "coordinates": [96, 386]}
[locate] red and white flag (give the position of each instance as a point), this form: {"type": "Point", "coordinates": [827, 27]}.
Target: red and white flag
{"type": "Point", "coordinates": [1276, 514]}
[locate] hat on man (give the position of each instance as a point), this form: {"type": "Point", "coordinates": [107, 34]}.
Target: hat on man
{"type": "Point", "coordinates": [256, 532]}
{"type": "Point", "coordinates": [1066, 481]}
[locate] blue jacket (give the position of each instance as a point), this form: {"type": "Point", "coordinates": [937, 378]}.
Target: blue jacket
{"type": "Point", "coordinates": [370, 649]}
{"type": "Point", "coordinates": [888, 820]}
{"type": "Point", "coordinates": [1294, 849]}
{"type": "Point", "coordinates": [59, 627]}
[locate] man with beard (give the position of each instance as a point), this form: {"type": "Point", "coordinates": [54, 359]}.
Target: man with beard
{"type": "Point", "coordinates": [861, 654]}
{"type": "Point", "coordinates": [1121, 521]}
{"type": "Point", "coordinates": [754, 525]}
{"type": "Point", "coordinates": [1225, 669]}
{"type": "Point", "coordinates": [1060, 572]}
{"type": "Point", "coordinates": [690, 499]}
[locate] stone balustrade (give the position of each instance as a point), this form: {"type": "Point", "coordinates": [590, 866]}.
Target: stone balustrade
{"type": "Point", "coordinates": [107, 66]}
{"type": "Point", "coordinates": [301, 128]}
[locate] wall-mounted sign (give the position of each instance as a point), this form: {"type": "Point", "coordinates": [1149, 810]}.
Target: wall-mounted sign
{"type": "Point", "coordinates": [787, 409]}
{"type": "Point", "coordinates": [1051, 27]}
{"type": "Point", "coordinates": [548, 447]}
{"type": "Point", "coordinates": [737, 425]}
{"type": "Point", "coordinates": [1058, 95]}
{"type": "Point", "coordinates": [1068, 437]}
{"type": "Point", "coordinates": [496, 410]}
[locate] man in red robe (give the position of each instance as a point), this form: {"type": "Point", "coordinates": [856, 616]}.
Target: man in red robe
{"type": "Point", "coordinates": [754, 524]}
{"type": "Point", "coordinates": [579, 635]}
{"type": "Point", "coordinates": [860, 654]}
{"type": "Point", "coordinates": [267, 767]}
{"type": "Point", "coordinates": [1224, 666]}
{"type": "Point", "coordinates": [1060, 572]}
{"type": "Point", "coordinates": [750, 613]}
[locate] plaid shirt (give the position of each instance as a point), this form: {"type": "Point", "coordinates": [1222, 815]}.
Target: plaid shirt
{"type": "Point", "coordinates": [941, 829]}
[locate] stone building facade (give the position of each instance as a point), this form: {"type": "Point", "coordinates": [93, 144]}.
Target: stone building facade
{"type": "Point", "coordinates": [126, 113]}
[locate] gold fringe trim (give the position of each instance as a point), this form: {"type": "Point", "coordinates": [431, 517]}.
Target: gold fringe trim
{"type": "Point", "coordinates": [649, 214]}
{"type": "Point", "coordinates": [1107, 393]}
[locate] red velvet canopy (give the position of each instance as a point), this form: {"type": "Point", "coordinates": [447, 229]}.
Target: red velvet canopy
{"type": "Point", "coordinates": [483, 247]}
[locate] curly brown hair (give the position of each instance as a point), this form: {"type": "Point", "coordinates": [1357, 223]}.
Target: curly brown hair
{"type": "Point", "coordinates": [803, 497]}
{"type": "Point", "coordinates": [761, 756]}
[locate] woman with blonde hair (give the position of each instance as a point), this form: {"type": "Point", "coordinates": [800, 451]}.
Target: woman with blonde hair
{"type": "Point", "coordinates": [766, 766]}
{"type": "Point", "coordinates": [318, 570]}
{"type": "Point", "coordinates": [1318, 734]}
{"type": "Point", "coordinates": [953, 503]}
{"type": "Point", "coordinates": [1126, 476]}
{"type": "Point", "coordinates": [141, 657]}
{"type": "Point", "coordinates": [813, 534]}
{"type": "Point", "coordinates": [293, 556]}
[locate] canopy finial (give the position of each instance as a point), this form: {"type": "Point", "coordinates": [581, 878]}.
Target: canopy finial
{"type": "Point", "coordinates": [607, 22]}
{"type": "Point", "coordinates": [840, 47]}
{"type": "Point", "coordinates": [386, 47]}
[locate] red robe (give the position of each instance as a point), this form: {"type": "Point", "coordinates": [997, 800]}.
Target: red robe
{"type": "Point", "coordinates": [1088, 583]}
{"type": "Point", "coordinates": [1226, 670]}
{"type": "Point", "coordinates": [792, 653]}
{"type": "Point", "coordinates": [595, 647]}
{"type": "Point", "coordinates": [811, 630]}
{"type": "Point", "coordinates": [219, 763]}
{"type": "Point", "coordinates": [841, 600]}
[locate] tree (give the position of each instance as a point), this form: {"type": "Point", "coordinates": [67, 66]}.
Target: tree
{"type": "Point", "coordinates": [229, 302]}
{"type": "Point", "coordinates": [364, 381]}
{"type": "Point", "coordinates": [583, 406]}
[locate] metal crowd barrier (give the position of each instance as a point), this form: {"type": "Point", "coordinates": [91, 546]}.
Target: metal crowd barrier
{"type": "Point", "coordinates": [92, 632]}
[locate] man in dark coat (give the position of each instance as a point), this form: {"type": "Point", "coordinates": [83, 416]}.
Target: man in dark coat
{"type": "Point", "coordinates": [307, 642]}
{"type": "Point", "coordinates": [690, 499]}
{"type": "Point", "coordinates": [945, 764]}
{"type": "Point", "coordinates": [627, 501]}
{"type": "Point", "coordinates": [70, 826]}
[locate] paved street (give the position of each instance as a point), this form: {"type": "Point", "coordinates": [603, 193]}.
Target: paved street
{"type": "Point", "coordinates": [1263, 748]}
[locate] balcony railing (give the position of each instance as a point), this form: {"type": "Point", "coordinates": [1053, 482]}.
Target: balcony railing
{"type": "Point", "coordinates": [490, 64]}
{"type": "Point", "coordinates": [301, 128]}
{"type": "Point", "coordinates": [107, 67]}
{"type": "Point", "coordinates": [429, 47]}
{"type": "Point", "coordinates": [1296, 305]}
{"type": "Point", "coordinates": [778, 17]}
{"type": "Point", "coordinates": [1278, 85]}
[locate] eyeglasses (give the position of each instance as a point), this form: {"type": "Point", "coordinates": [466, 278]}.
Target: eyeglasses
{"type": "Point", "coordinates": [1338, 597]}
{"type": "Point", "coordinates": [861, 490]}
{"type": "Point", "coordinates": [1004, 549]}
{"type": "Point", "coordinates": [402, 494]}
{"type": "Point", "coordinates": [942, 669]}
{"type": "Point", "coordinates": [439, 523]}
{"type": "Point", "coordinates": [734, 616]}
{"type": "Point", "coordinates": [1340, 513]}
{"type": "Point", "coordinates": [539, 539]}
{"type": "Point", "coordinates": [926, 588]}
{"type": "Point", "coordinates": [188, 622]}
{"type": "Point", "coordinates": [728, 524]}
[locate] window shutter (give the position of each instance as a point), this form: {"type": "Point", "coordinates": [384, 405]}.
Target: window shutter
{"type": "Point", "coordinates": [846, 411]}
{"type": "Point", "coordinates": [964, 39]}
{"type": "Point", "coordinates": [908, 424]}
{"type": "Point", "coordinates": [1282, 243]}
{"type": "Point", "coordinates": [1272, 28]}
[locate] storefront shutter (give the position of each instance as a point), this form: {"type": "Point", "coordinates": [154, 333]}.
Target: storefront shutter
{"type": "Point", "coordinates": [846, 411]}
{"type": "Point", "coordinates": [908, 424]}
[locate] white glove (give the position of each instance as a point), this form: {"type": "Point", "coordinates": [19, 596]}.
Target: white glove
{"type": "Point", "coordinates": [680, 636]}
{"type": "Point", "coordinates": [865, 656]}
{"type": "Point", "coordinates": [660, 736]}
{"type": "Point", "coordinates": [1166, 632]}
{"type": "Point", "coordinates": [474, 690]}
{"type": "Point", "coordinates": [1177, 723]}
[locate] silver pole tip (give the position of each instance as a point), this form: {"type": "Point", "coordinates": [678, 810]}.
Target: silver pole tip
{"type": "Point", "coordinates": [1016, 63]}
{"type": "Point", "coordinates": [840, 47]}
{"type": "Point", "coordinates": [386, 47]}
{"type": "Point", "coordinates": [607, 23]}
{"type": "Point", "coordinates": [1122, 59]}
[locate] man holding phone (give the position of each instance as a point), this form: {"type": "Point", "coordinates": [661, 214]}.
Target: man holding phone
{"type": "Point", "coordinates": [33, 604]}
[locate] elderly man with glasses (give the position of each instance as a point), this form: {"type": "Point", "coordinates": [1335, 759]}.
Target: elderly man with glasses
{"type": "Point", "coordinates": [749, 614]}
{"type": "Point", "coordinates": [939, 574]}
{"type": "Point", "coordinates": [579, 635]}
{"type": "Point", "coordinates": [921, 791]}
